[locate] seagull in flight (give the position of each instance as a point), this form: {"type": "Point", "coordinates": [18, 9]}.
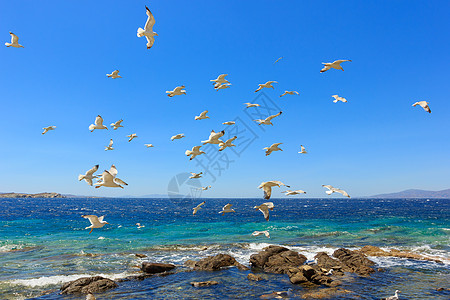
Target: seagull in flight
{"type": "Point", "coordinates": [197, 208]}
{"type": "Point", "coordinates": [335, 65]}
{"type": "Point", "coordinates": [251, 105]}
{"type": "Point", "coordinates": [228, 143]}
{"type": "Point", "coordinates": [291, 193]}
{"type": "Point", "coordinates": [268, 84]}
{"type": "Point", "coordinates": [110, 147]}
{"type": "Point", "coordinates": [214, 137]}
{"type": "Point", "coordinates": [337, 98]}
{"type": "Point", "coordinates": [195, 175]}
{"type": "Point", "coordinates": [227, 209]}
{"type": "Point", "coordinates": [278, 60]}
{"type": "Point", "coordinates": [148, 29]}
{"type": "Point", "coordinates": [177, 136]}
{"type": "Point", "coordinates": [89, 175]}
{"type": "Point", "coordinates": [202, 116]}
{"type": "Point", "coordinates": [205, 188]}
{"type": "Point", "coordinates": [139, 225]}
{"type": "Point", "coordinates": [132, 136]}
{"type": "Point", "coordinates": [273, 147]}
{"type": "Point", "coordinates": [48, 128]}
{"type": "Point", "coordinates": [267, 121]}
{"type": "Point", "coordinates": [98, 124]}
{"type": "Point", "coordinates": [96, 222]}
{"type": "Point", "coordinates": [424, 105]}
{"type": "Point", "coordinates": [194, 152]}
{"type": "Point", "coordinates": [264, 208]}
{"type": "Point", "coordinates": [303, 150]}
{"type": "Point", "coordinates": [258, 233]}
{"type": "Point", "coordinates": [148, 145]}
{"type": "Point", "coordinates": [14, 41]}
{"type": "Point", "coordinates": [117, 124]}
{"type": "Point", "coordinates": [222, 86]}
{"type": "Point", "coordinates": [289, 93]}
{"type": "Point", "coordinates": [177, 91]}
{"type": "Point", "coordinates": [267, 187]}
{"type": "Point", "coordinates": [109, 179]}
{"type": "Point", "coordinates": [220, 80]}
{"type": "Point", "coordinates": [332, 190]}
{"type": "Point", "coordinates": [114, 74]}
{"type": "Point", "coordinates": [229, 123]}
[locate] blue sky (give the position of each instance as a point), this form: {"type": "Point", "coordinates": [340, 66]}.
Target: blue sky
{"type": "Point", "coordinates": [375, 143]}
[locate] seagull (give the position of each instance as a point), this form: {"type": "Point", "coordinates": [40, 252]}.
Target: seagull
{"type": "Point", "coordinates": [229, 123]}
{"type": "Point", "coordinates": [205, 188]}
{"type": "Point", "coordinates": [177, 137]}
{"type": "Point", "coordinates": [273, 147]}
{"type": "Point", "coordinates": [337, 98]}
{"type": "Point", "coordinates": [195, 175]}
{"type": "Point", "coordinates": [196, 209]}
{"type": "Point", "coordinates": [251, 105]}
{"type": "Point", "coordinates": [96, 222]}
{"type": "Point", "coordinates": [214, 137]}
{"type": "Point", "coordinates": [148, 29]}
{"type": "Point", "coordinates": [139, 225]}
{"type": "Point", "coordinates": [228, 143]}
{"type": "Point", "coordinates": [109, 179]}
{"type": "Point", "coordinates": [47, 129]}
{"type": "Point", "coordinates": [90, 297]}
{"type": "Point", "coordinates": [202, 116]}
{"type": "Point", "coordinates": [264, 208]}
{"type": "Point", "coordinates": [268, 84]}
{"type": "Point", "coordinates": [14, 41]}
{"type": "Point", "coordinates": [335, 65]}
{"type": "Point", "coordinates": [303, 150]}
{"type": "Point", "coordinates": [395, 297]}
{"type": "Point", "coordinates": [110, 147]}
{"type": "Point", "coordinates": [332, 190]}
{"type": "Point", "coordinates": [177, 91]}
{"type": "Point", "coordinates": [117, 124]}
{"type": "Point", "coordinates": [424, 105]}
{"type": "Point", "coordinates": [89, 175]}
{"type": "Point", "coordinates": [258, 233]}
{"type": "Point", "coordinates": [220, 80]}
{"type": "Point", "coordinates": [148, 145]}
{"type": "Point", "coordinates": [278, 60]}
{"type": "Point", "coordinates": [98, 124]}
{"type": "Point", "coordinates": [227, 209]}
{"type": "Point", "coordinates": [132, 136]}
{"type": "Point", "coordinates": [114, 74]}
{"type": "Point", "coordinates": [267, 187]}
{"type": "Point", "coordinates": [296, 192]}
{"type": "Point", "coordinates": [328, 273]}
{"type": "Point", "coordinates": [222, 86]}
{"type": "Point", "coordinates": [194, 152]}
{"type": "Point", "coordinates": [289, 93]}
{"type": "Point", "coordinates": [267, 121]}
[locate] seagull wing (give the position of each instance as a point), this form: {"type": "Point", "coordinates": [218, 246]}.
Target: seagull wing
{"type": "Point", "coordinates": [113, 171]}
{"type": "Point", "coordinates": [325, 68]}
{"type": "Point", "coordinates": [92, 218]}
{"type": "Point", "coordinates": [203, 114]}
{"type": "Point", "coordinates": [92, 171]}
{"type": "Point", "coordinates": [110, 143]}
{"type": "Point", "coordinates": [150, 41]}
{"type": "Point", "coordinates": [100, 219]}
{"type": "Point", "coordinates": [196, 148]}
{"type": "Point", "coordinates": [120, 181]}
{"type": "Point", "coordinates": [150, 20]}
{"type": "Point", "coordinates": [14, 38]}
{"type": "Point", "coordinates": [267, 192]}
{"type": "Point", "coordinates": [227, 207]}
{"type": "Point", "coordinates": [265, 210]}
{"type": "Point", "coordinates": [328, 186]}
{"type": "Point", "coordinates": [340, 61]}
{"type": "Point", "coordinates": [99, 121]}
{"type": "Point", "coordinates": [269, 118]}
{"type": "Point", "coordinates": [107, 177]}
{"type": "Point", "coordinates": [344, 193]}
{"type": "Point", "coordinates": [114, 73]}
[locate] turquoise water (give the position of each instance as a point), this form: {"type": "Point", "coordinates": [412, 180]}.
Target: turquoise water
{"type": "Point", "coordinates": [43, 243]}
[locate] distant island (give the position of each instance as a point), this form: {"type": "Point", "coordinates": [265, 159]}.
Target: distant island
{"type": "Point", "coordinates": [39, 195]}
{"type": "Point", "coordinates": [414, 193]}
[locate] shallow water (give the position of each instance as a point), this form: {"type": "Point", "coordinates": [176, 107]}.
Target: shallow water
{"type": "Point", "coordinates": [43, 243]}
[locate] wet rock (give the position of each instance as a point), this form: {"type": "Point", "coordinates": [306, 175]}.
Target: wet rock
{"type": "Point", "coordinates": [441, 289]}
{"type": "Point", "coordinates": [326, 262]}
{"type": "Point", "coordinates": [308, 274]}
{"type": "Point", "coordinates": [376, 251]}
{"type": "Point", "coordinates": [154, 268]}
{"type": "Point", "coordinates": [357, 262]}
{"type": "Point", "coordinates": [85, 285]}
{"type": "Point", "coordinates": [204, 283]}
{"type": "Point", "coordinates": [326, 293]}
{"type": "Point", "coordinates": [254, 277]}
{"type": "Point", "coordinates": [204, 248]}
{"type": "Point", "coordinates": [140, 255]}
{"type": "Point", "coordinates": [276, 259]}
{"type": "Point", "coordinates": [214, 263]}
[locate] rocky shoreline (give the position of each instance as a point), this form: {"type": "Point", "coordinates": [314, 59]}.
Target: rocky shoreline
{"type": "Point", "coordinates": [39, 195]}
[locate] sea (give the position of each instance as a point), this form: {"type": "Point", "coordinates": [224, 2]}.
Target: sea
{"type": "Point", "coordinates": [44, 243]}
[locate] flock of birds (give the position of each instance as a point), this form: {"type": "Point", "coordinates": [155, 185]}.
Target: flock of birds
{"type": "Point", "coordinates": [109, 177]}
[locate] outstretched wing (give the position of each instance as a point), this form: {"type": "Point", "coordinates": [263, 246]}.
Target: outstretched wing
{"type": "Point", "coordinates": [265, 210]}
{"type": "Point", "coordinates": [113, 171]}
{"type": "Point", "coordinates": [92, 218]}
{"type": "Point", "coordinates": [269, 118]}
{"type": "Point", "coordinates": [93, 170]}
{"type": "Point", "coordinates": [14, 38]}
{"type": "Point", "coordinates": [120, 181]}
{"type": "Point", "coordinates": [99, 121]}
{"type": "Point", "coordinates": [150, 42]}
{"type": "Point", "coordinates": [267, 192]}
{"type": "Point", "coordinates": [150, 20]}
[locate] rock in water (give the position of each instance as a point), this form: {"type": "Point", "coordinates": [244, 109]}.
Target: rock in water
{"type": "Point", "coordinates": [204, 283]}
{"type": "Point", "coordinates": [154, 268]}
{"type": "Point", "coordinates": [140, 255]}
{"type": "Point", "coordinates": [276, 259]}
{"type": "Point", "coordinates": [214, 263]}
{"type": "Point", "coordinates": [86, 285]}
{"type": "Point", "coordinates": [308, 274]}
{"type": "Point", "coordinates": [357, 262]}
{"type": "Point", "coordinates": [254, 277]}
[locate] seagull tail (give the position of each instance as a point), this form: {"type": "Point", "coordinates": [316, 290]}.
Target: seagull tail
{"type": "Point", "coordinates": [140, 32]}
{"type": "Point", "coordinates": [329, 192]}
{"type": "Point", "coordinates": [91, 127]}
{"type": "Point", "coordinates": [8, 44]}
{"type": "Point", "coordinates": [335, 101]}
{"type": "Point", "coordinates": [80, 177]}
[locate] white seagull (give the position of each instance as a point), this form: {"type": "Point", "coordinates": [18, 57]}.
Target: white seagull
{"type": "Point", "coordinates": [424, 105]}
{"type": "Point", "coordinates": [267, 121]}
{"type": "Point", "coordinates": [273, 147]}
{"type": "Point", "coordinates": [395, 297]}
{"type": "Point", "coordinates": [214, 137]}
{"type": "Point", "coordinates": [258, 233]}
{"type": "Point", "coordinates": [227, 209]}
{"type": "Point", "coordinates": [197, 208]}
{"type": "Point", "coordinates": [148, 29]}
{"type": "Point", "coordinates": [268, 84]}
{"type": "Point", "coordinates": [264, 208]}
{"type": "Point", "coordinates": [337, 98]}
{"type": "Point", "coordinates": [228, 143]}
{"type": "Point", "coordinates": [335, 65]}
{"type": "Point", "coordinates": [148, 145]}
{"type": "Point", "coordinates": [251, 105]}
{"type": "Point", "coordinates": [267, 187]}
{"type": "Point", "coordinates": [110, 147]}
{"type": "Point", "coordinates": [89, 175]}
{"type": "Point", "coordinates": [332, 190]}
{"type": "Point", "coordinates": [222, 86]}
{"type": "Point", "coordinates": [220, 80]}
{"type": "Point", "coordinates": [117, 124]}
{"type": "Point", "coordinates": [48, 128]}
{"type": "Point", "coordinates": [303, 150]}
{"type": "Point", "coordinates": [96, 222]}
{"type": "Point", "coordinates": [205, 188]}
{"type": "Point", "coordinates": [98, 124]}
{"type": "Point", "coordinates": [229, 123]}
{"type": "Point", "coordinates": [14, 41]}
{"type": "Point", "coordinates": [194, 152]}
{"type": "Point", "coordinates": [177, 91]}
{"type": "Point", "coordinates": [109, 179]}
{"type": "Point", "coordinates": [132, 136]}
{"type": "Point", "coordinates": [139, 225]}
{"type": "Point", "coordinates": [195, 175]}
{"type": "Point", "coordinates": [177, 136]}
{"type": "Point", "coordinates": [289, 93]}
{"type": "Point", "coordinates": [202, 116]}
{"type": "Point", "coordinates": [114, 74]}
{"type": "Point", "coordinates": [296, 192]}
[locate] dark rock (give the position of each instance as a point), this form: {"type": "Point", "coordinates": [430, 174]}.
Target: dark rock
{"type": "Point", "coordinates": [85, 285]}
{"type": "Point", "coordinates": [308, 274]}
{"type": "Point", "coordinates": [357, 262]}
{"type": "Point", "coordinates": [376, 251]}
{"type": "Point", "coordinates": [380, 270]}
{"type": "Point", "coordinates": [214, 263]}
{"type": "Point", "coordinates": [204, 283]}
{"type": "Point", "coordinates": [328, 263]}
{"type": "Point", "coordinates": [276, 259]}
{"type": "Point", "coordinates": [254, 277]}
{"type": "Point", "coordinates": [325, 293]}
{"type": "Point", "coordinates": [153, 268]}
{"type": "Point", "coordinates": [140, 255]}
{"type": "Point", "coordinates": [441, 289]}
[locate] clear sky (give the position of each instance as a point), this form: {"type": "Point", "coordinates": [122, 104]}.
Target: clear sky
{"type": "Point", "coordinates": [375, 143]}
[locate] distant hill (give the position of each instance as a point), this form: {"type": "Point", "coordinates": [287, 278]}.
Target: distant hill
{"type": "Point", "coordinates": [22, 195]}
{"type": "Point", "coordinates": [413, 193]}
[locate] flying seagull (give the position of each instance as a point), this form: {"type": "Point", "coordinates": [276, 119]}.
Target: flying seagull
{"type": "Point", "coordinates": [117, 124]}
{"type": "Point", "coordinates": [227, 209]}
{"type": "Point", "coordinates": [291, 193]}
{"type": "Point", "coordinates": [98, 124]}
{"type": "Point", "coordinates": [48, 128]}
{"type": "Point", "coordinates": [114, 74]}
{"type": "Point", "coordinates": [177, 91]}
{"type": "Point", "coordinates": [148, 29]}
{"type": "Point", "coordinates": [14, 41]}
{"type": "Point", "coordinates": [337, 98]}
{"type": "Point", "coordinates": [228, 143]}
{"type": "Point", "coordinates": [251, 105]}
{"type": "Point", "coordinates": [273, 147]}
{"type": "Point", "coordinates": [202, 116]}
{"type": "Point", "coordinates": [177, 136]}
{"type": "Point", "coordinates": [110, 147]}
{"type": "Point", "coordinates": [332, 190]}
{"type": "Point", "coordinates": [205, 188]}
{"type": "Point", "coordinates": [395, 297]}
{"type": "Point", "coordinates": [222, 86]}
{"type": "Point", "coordinates": [303, 150]}
{"type": "Point", "coordinates": [148, 145]}
{"type": "Point", "coordinates": [424, 105]}
{"type": "Point", "coordinates": [268, 84]}
{"type": "Point", "coordinates": [194, 152]}
{"type": "Point", "coordinates": [96, 222]}
{"type": "Point", "coordinates": [264, 208]}
{"type": "Point", "coordinates": [197, 208]}
{"type": "Point", "coordinates": [214, 137]}
{"type": "Point", "coordinates": [229, 123]}
{"type": "Point", "coordinates": [89, 175]}
{"type": "Point", "coordinates": [289, 93]}
{"type": "Point", "coordinates": [267, 187]}
{"type": "Point", "coordinates": [335, 65]}
{"type": "Point", "coordinates": [278, 60]}
{"type": "Point", "coordinates": [109, 179]}
{"type": "Point", "coordinates": [220, 80]}
{"type": "Point", "coordinates": [139, 225]}
{"type": "Point", "coordinates": [195, 175]}
{"type": "Point", "coordinates": [258, 233]}
{"type": "Point", "coordinates": [267, 121]}
{"type": "Point", "coordinates": [132, 136]}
